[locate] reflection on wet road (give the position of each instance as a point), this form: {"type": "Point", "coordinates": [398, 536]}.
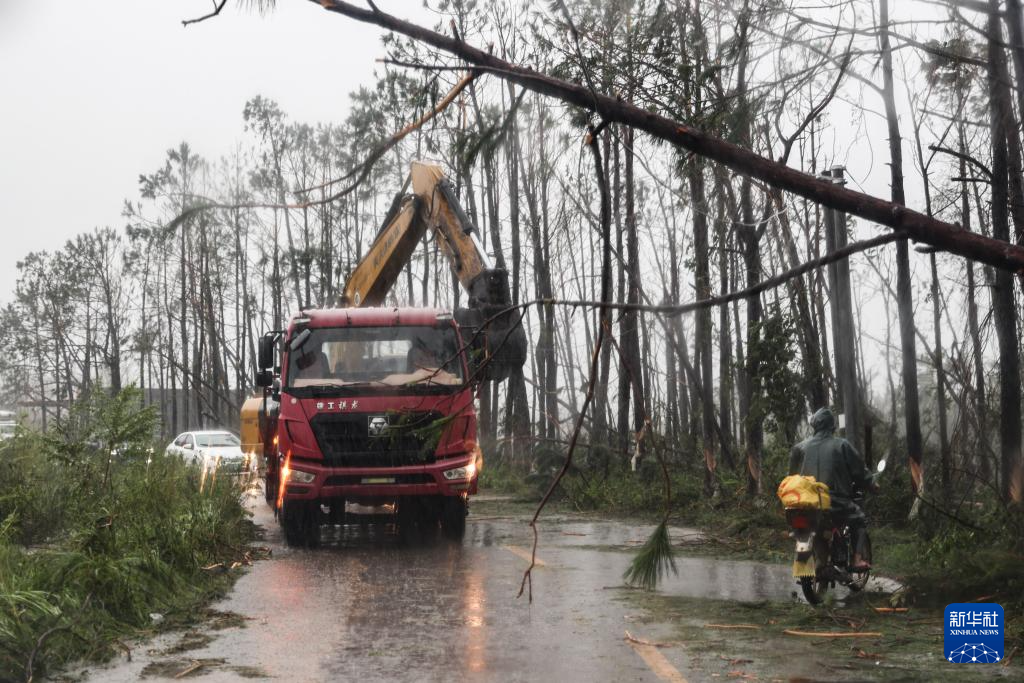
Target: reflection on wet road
{"type": "Point", "coordinates": [367, 607]}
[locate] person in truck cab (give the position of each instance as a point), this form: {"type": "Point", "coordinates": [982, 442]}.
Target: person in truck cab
{"type": "Point", "coordinates": [423, 363]}
{"type": "Point", "coordinates": [836, 462]}
{"type": "Point", "coordinates": [312, 366]}
{"type": "Point", "coordinates": [422, 358]}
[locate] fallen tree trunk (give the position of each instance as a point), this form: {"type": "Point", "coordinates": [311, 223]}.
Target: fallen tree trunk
{"type": "Point", "coordinates": [919, 227]}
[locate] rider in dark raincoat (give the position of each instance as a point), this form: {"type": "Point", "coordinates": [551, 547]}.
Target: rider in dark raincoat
{"type": "Point", "coordinates": [833, 460]}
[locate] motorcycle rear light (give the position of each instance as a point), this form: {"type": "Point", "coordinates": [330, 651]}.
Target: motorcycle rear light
{"type": "Point", "coordinates": [800, 522]}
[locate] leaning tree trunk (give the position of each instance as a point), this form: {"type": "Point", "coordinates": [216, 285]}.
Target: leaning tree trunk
{"type": "Point", "coordinates": [1004, 312]}
{"type": "Point", "coordinates": [904, 293]}
{"type": "Point", "coordinates": [940, 388]}
{"type": "Point", "coordinates": [750, 237]}
{"type": "Point", "coordinates": [702, 319]}
{"type": "Point", "coordinates": [517, 413]}
{"type": "Point", "coordinates": [631, 336]}
{"type": "Point", "coordinates": [982, 448]}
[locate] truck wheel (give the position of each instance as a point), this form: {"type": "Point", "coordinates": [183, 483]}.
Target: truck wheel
{"type": "Point", "coordinates": [413, 518]}
{"type": "Point", "coordinates": [405, 518]}
{"type": "Point", "coordinates": [337, 515]}
{"type": "Point", "coordinates": [270, 490]}
{"type": "Point", "coordinates": [453, 517]}
{"type": "Point", "coordinates": [430, 514]}
{"type": "Point", "coordinates": [301, 524]}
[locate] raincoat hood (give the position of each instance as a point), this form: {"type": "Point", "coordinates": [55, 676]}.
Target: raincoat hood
{"type": "Point", "coordinates": [823, 422]}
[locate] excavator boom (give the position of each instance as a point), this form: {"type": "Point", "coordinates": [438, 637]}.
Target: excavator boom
{"type": "Point", "coordinates": [493, 330]}
{"type": "Point", "coordinates": [373, 278]}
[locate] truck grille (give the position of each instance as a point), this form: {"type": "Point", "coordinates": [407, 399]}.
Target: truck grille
{"type": "Point", "coordinates": [359, 479]}
{"type": "Point", "coordinates": [345, 439]}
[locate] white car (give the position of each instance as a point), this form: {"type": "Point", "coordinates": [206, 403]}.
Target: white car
{"type": "Point", "coordinates": [8, 425]}
{"type": "Point", "coordinates": [210, 449]}
{"type": "Point", "coordinates": [8, 430]}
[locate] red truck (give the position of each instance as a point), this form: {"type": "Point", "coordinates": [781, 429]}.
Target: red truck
{"type": "Point", "coordinates": [375, 406]}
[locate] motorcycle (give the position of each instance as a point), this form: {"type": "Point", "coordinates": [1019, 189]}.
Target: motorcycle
{"type": "Point", "coordinates": [824, 550]}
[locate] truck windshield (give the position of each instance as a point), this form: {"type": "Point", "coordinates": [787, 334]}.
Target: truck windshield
{"type": "Point", "coordinates": [416, 358]}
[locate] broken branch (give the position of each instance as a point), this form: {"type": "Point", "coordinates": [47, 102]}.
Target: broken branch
{"type": "Point", "coordinates": [640, 641]}
{"type": "Point", "coordinates": [216, 10]}
{"type": "Point", "coordinates": [364, 169]}
{"type": "Point", "coordinates": [603, 328]}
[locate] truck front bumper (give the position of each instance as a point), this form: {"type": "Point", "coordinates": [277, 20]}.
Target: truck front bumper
{"type": "Point", "coordinates": [364, 483]}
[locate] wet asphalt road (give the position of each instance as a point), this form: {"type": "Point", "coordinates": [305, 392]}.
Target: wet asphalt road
{"type": "Point", "coordinates": [365, 607]}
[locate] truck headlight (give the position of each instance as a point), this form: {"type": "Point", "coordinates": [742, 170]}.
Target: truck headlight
{"type": "Point", "coordinates": [464, 472]}
{"type": "Point", "coordinates": [300, 477]}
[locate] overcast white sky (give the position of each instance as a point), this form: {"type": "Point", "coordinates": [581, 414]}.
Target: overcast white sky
{"type": "Point", "coordinates": [93, 93]}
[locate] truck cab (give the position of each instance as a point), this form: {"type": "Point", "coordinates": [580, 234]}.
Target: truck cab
{"type": "Point", "coordinates": [375, 407]}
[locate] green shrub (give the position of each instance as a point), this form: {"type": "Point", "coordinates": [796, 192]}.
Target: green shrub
{"type": "Point", "coordinates": [98, 531]}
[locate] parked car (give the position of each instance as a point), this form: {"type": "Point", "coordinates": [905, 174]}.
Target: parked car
{"type": "Point", "coordinates": [210, 449]}
{"type": "Point", "coordinates": [7, 430]}
{"type": "Point", "coordinates": [8, 424]}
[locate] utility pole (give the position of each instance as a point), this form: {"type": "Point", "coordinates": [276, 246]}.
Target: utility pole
{"type": "Point", "coordinates": [843, 328]}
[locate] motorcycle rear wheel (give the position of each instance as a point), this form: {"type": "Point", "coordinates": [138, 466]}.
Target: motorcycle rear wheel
{"type": "Point", "coordinates": [814, 588]}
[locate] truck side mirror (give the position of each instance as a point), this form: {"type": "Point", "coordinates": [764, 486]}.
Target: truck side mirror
{"type": "Point", "coordinates": [264, 378]}
{"type": "Point", "coordinates": [265, 357]}
{"type": "Point", "coordinates": [300, 339]}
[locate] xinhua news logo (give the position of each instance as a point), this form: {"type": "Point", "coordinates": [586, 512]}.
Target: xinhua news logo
{"type": "Point", "coordinates": [974, 633]}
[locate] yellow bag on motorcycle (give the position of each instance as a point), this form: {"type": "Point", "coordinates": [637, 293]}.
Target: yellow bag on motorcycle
{"type": "Point", "coordinates": [799, 491]}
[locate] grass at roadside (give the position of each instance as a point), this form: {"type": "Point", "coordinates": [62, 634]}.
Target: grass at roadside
{"type": "Point", "coordinates": [98, 534]}
{"type": "Point", "coordinates": [747, 641]}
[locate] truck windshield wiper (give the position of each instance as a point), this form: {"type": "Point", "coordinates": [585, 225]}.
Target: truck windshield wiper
{"type": "Point", "coordinates": [329, 389]}
{"type": "Point", "coordinates": [319, 389]}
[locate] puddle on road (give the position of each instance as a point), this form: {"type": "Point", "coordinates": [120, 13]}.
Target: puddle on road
{"type": "Point", "coordinates": [367, 604]}
{"type": "Point", "coordinates": [584, 548]}
{"type": "Point", "coordinates": [610, 535]}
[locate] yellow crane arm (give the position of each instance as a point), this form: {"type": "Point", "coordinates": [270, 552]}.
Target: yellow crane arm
{"type": "Point", "coordinates": [434, 206]}
{"type": "Point", "coordinates": [454, 232]}
{"type": "Point", "coordinates": [377, 272]}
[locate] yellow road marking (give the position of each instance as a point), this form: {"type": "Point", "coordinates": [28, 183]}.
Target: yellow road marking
{"type": "Point", "coordinates": [656, 661]}
{"type": "Point", "coordinates": [523, 553]}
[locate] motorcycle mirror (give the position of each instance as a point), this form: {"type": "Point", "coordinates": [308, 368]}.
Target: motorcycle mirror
{"type": "Point", "coordinates": [881, 466]}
